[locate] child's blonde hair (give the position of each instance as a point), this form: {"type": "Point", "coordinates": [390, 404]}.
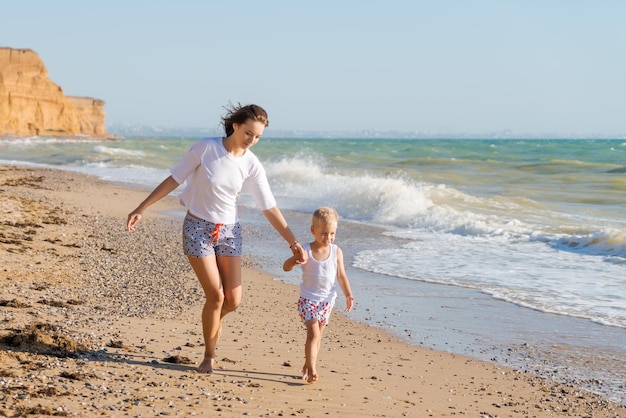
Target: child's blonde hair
{"type": "Point", "coordinates": [325, 215]}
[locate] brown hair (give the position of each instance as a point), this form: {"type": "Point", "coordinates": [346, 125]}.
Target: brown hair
{"type": "Point", "coordinates": [240, 114]}
{"type": "Point", "coordinates": [325, 215]}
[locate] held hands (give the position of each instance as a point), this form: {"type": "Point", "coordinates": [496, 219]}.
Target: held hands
{"type": "Point", "coordinates": [300, 255]}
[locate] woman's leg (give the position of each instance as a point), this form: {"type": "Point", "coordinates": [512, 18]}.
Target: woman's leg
{"type": "Point", "coordinates": [230, 272]}
{"type": "Point", "coordinates": [208, 274]}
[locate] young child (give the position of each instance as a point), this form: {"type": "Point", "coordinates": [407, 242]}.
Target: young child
{"type": "Point", "coordinates": [321, 273]}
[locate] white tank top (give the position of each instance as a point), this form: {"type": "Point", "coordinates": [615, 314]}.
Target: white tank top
{"type": "Point", "coordinates": [319, 278]}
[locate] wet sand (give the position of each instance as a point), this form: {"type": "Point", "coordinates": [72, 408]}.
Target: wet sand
{"type": "Point", "coordinates": [97, 321]}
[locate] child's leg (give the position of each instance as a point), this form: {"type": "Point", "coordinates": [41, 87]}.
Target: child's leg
{"type": "Point", "coordinates": [314, 330]}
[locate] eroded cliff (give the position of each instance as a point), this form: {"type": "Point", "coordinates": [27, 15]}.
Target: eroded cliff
{"type": "Point", "coordinates": [32, 104]}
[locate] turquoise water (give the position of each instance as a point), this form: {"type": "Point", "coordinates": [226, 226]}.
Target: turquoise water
{"type": "Point", "coordinates": [537, 224]}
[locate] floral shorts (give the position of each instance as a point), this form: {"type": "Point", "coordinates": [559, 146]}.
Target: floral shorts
{"type": "Point", "coordinates": [310, 309]}
{"type": "Point", "coordinates": [203, 238]}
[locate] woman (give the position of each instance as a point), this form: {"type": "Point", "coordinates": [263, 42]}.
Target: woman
{"type": "Point", "coordinates": [216, 171]}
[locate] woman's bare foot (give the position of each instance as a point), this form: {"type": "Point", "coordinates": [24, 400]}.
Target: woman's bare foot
{"type": "Point", "coordinates": [206, 367]}
{"type": "Point", "coordinates": [310, 377]}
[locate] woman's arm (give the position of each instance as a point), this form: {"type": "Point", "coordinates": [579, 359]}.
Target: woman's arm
{"type": "Point", "coordinates": [277, 220]}
{"type": "Point", "coordinates": [166, 187]}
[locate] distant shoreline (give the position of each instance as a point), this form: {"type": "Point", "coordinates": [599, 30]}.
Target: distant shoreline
{"type": "Point", "coordinates": [79, 137]}
{"type": "Point", "coordinates": [147, 130]}
{"type": "Point", "coordinates": [120, 132]}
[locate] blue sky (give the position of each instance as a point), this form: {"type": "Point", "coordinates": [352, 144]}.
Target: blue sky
{"type": "Point", "coordinates": [534, 66]}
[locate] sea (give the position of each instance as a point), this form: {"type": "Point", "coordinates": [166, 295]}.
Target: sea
{"type": "Point", "coordinates": [511, 251]}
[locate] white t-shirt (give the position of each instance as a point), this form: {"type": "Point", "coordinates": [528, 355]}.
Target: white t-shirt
{"type": "Point", "coordinates": [319, 278]}
{"type": "Point", "coordinates": [215, 179]}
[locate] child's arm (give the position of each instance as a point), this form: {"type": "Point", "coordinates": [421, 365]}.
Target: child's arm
{"type": "Point", "coordinates": [296, 259]}
{"type": "Point", "coordinates": [343, 281]}
{"type": "Point", "coordinates": [290, 263]}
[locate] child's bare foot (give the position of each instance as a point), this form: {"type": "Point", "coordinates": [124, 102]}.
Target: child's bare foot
{"type": "Point", "coordinates": [310, 377]}
{"type": "Point", "coordinates": [206, 367]}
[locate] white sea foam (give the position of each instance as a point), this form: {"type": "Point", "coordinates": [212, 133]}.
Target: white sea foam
{"type": "Point", "coordinates": [304, 185]}
{"type": "Point", "coordinates": [529, 274]}
{"type": "Point", "coordinates": [101, 149]}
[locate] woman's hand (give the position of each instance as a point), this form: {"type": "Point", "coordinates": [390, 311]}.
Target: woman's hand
{"type": "Point", "coordinates": [166, 187]}
{"type": "Point", "coordinates": [133, 219]}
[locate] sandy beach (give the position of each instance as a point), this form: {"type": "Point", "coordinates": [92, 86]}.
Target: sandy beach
{"type": "Point", "coordinates": [100, 322]}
